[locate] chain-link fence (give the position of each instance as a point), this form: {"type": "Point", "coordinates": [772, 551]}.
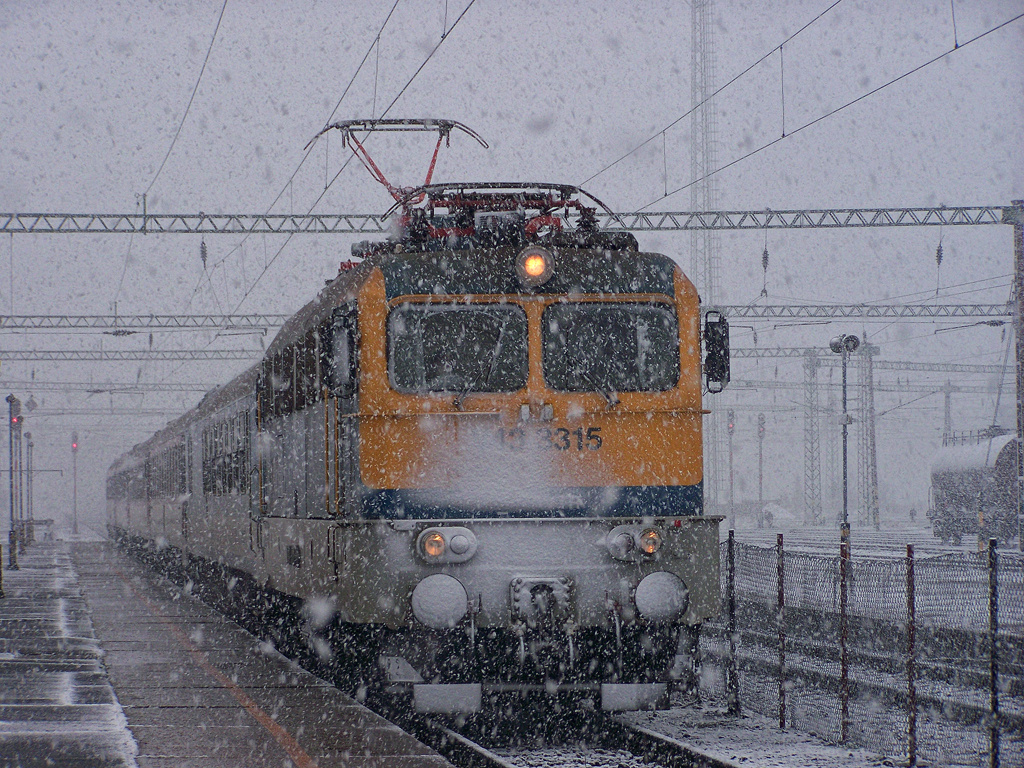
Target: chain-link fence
{"type": "Point", "coordinates": [897, 656]}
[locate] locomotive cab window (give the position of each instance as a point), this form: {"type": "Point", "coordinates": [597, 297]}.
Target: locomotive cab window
{"type": "Point", "coordinates": [457, 348]}
{"type": "Point", "coordinates": [610, 347]}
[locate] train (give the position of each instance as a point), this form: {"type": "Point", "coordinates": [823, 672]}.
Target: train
{"type": "Point", "coordinates": [472, 463]}
{"type": "Point", "coordinates": [974, 490]}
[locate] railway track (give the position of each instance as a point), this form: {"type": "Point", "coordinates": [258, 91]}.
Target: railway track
{"type": "Point", "coordinates": [605, 741]}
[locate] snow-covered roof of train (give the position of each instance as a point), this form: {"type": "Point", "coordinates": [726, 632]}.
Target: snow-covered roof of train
{"type": "Point", "coordinates": [961, 458]}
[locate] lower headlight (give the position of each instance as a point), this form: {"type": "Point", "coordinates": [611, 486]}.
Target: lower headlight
{"type": "Point", "coordinates": [650, 541]}
{"type": "Point", "coordinates": [661, 596]}
{"type": "Point", "coordinates": [439, 601]}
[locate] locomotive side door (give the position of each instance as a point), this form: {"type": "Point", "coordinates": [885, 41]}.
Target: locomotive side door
{"type": "Point", "coordinates": [255, 469]}
{"type": "Point", "coordinates": [340, 361]}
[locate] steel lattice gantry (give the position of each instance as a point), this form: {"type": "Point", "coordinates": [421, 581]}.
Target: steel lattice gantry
{"type": "Point", "coordinates": [887, 365]}
{"type": "Point", "coordinates": [370, 223]}
{"type": "Point", "coordinates": [865, 311]}
{"type": "Point", "coordinates": [127, 324]}
{"type": "Point", "coordinates": [101, 387]}
{"type": "Point", "coordinates": [253, 322]}
{"type": "Point", "coordinates": [188, 355]}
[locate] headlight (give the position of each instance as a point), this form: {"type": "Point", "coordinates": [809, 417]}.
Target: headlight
{"type": "Point", "coordinates": [534, 266]}
{"type": "Point", "coordinates": [650, 541]}
{"type": "Point", "coordinates": [433, 544]}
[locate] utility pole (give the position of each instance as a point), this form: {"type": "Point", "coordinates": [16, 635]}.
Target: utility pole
{"type": "Point", "coordinates": [760, 470]}
{"type": "Point", "coordinates": [868, 377]}
{"type": "Point", "coordinates": [704, 197]}
{"type": "Point", "coordinates": [812, 453]}
{"type": "Point", "coordinates": [74, 481]}
{"type": "Point", "coordinates": [13, 426]}
{"type": "Point", "coordinates": [732, 499]}
{"type": "Point", "coordinates": [947, 411]}
{"type": "Point", "coordinates": [29, 514]}
{"type": "Point", "coordinates": [1015, 215]}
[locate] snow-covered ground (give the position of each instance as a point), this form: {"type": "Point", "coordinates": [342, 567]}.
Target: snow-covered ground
{"type": "Point", "coordinates": [57, 706]}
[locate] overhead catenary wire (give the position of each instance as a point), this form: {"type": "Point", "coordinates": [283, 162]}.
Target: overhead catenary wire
{"type": "Point", "coordinates": [383, 114]}
{"type": "Point", "coordinates": [287, 187]}
{"type": "Point", "coordinates": [191, 98]}
{"type": "Point", "coordinates": [838, 109]}
{"type": "Point", "coordinates": [405, 87]}
{"type": "Point", "coordinates": [697, 106]}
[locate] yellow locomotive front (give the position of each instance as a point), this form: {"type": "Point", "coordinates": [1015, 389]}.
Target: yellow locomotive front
{"type": "Point", "coordinates": [514, 453]}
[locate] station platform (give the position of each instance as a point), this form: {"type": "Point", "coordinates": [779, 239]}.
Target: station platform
{"type": "Point", "coordinates": [103, 663]}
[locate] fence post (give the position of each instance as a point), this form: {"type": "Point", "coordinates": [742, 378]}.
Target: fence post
{"type": "Point", "coordinates": [781, 618]}
{"type": "Point", "coordinates": [2, 572]}
{"type": "Point", "coordinates": [732, 673]}
{"type": "Point", "coordinates": [844, 659]}
{"type": "Point", "coordinates": [911, 652]}
{"type": "Point", "coordinates": [993, 657]}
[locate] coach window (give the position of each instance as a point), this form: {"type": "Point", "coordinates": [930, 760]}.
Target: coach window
{"type": "Point", "coordinates": [610, 347]}
{"type": "Point", "coordinates": [457, 348]}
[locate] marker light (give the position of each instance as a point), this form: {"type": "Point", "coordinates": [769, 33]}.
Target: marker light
{"type": "Point", "coordinates": [534, 266]}
{"type": "Point", "coordinates": [650, 541]}
{"type": "Point", "coordinates": [433, 544]}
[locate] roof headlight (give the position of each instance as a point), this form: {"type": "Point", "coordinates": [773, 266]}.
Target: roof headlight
{"type": "Point", "coordinates": [534, 266]}
{"type": "Point", "coordinates": [650, 541]}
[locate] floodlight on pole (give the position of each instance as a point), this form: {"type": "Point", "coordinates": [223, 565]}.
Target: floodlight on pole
{"type": "Point", "coordinates": [844, 345]}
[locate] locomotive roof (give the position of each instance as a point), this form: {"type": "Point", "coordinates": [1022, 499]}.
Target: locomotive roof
{"type": "Point", "coordinates": [967, 458]}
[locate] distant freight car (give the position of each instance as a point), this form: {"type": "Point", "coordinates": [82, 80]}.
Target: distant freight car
{"type": "Point", "coordinates": [974, 490]}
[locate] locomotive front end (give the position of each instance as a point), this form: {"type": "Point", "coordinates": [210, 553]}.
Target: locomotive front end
{"type": "Point", "coordinates": [529, 467]}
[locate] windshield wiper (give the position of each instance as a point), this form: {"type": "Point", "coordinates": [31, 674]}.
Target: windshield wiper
{"type": "Point", "coordinates": [489, 370]}
{"type": "Point", "coordinates": [610, 395]}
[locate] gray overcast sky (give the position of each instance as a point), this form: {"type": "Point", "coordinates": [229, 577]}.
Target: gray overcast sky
{"type": "Point", "coordinates": [94, 91]}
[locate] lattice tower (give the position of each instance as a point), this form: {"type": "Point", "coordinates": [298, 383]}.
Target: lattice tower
{"type": "Point", "coordinates": [704, 197]}
{"type": "Point", "coordinates": [812, 454]}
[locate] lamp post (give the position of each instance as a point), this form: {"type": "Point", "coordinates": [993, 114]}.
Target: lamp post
{"type": "Point", "coordinates": [844, 345]}
{"type": "Point", "coordinates": [74, 482]}
{"type": "Point", "coordinates": [13, 424]}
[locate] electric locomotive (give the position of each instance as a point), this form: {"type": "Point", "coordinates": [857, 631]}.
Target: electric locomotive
{"type": "Point", "coordinates": [474, 459]}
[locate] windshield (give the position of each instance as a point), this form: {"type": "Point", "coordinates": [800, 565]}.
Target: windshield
{"type": "Point", "coordinates": [605, 347]}
{"type": "Point", "coordinates": [457, 348]}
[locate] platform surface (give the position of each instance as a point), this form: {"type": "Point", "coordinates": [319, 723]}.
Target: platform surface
{"type": "Point", "coordinates": [104, 663]}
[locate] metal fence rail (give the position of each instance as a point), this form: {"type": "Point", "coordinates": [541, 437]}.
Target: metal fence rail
{"type": "Point", "coordinates": [923, 678]}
